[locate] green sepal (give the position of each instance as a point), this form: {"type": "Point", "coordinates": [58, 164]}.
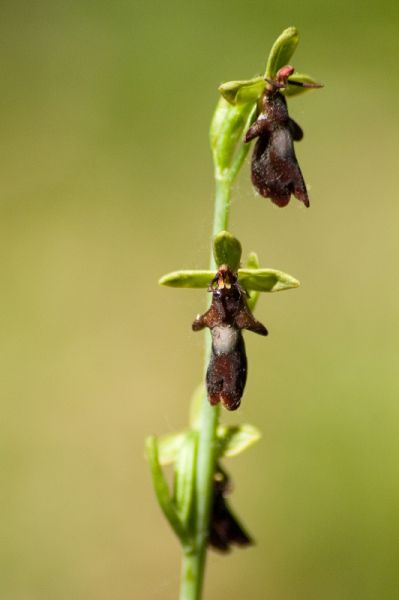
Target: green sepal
{"type": "Point", "coordinates": [185, 474]}
{"type": "Point", "coordinates": [162, 492]}
{"type": "Point", "coordinates": [294, 90]}
{"type": "Point", "coordinates": [258, 280]}
{"type": "Point", "coordinates": [282, 50]}
{"type": "Point", "coordinates": [252, 263]}
{"type": "Point", "coordinates": [227, 250]}
{"type": "Point", "coordinates": [234, 439]}
{"type": "Point", "coordinates": [187, 279]}
{"type": "Point", "coordinates": [266, 280]}
{"type": "Point", "coordinates": [169, 446]}
{"type": "Point", "coordinates": [242, 92]}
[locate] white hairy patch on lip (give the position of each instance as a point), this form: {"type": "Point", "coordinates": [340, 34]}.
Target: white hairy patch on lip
{"type": "Point", "coordinates": [224, 338]}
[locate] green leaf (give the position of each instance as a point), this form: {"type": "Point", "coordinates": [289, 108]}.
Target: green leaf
{"type": "Point", "coordinates": [252, 263]}
{"type": "Point", "coordinates": [294, 90]}
{"type": "Point", "coordinates": [240, 92]}
{"type": "Point", "coordinates": [162, 492]}
{"type": "Point", "coordinates": [185, 473]}
{"type": "Point", "coordinates": [235, 439]}
{"type": "Point", "coordinates": [266, 280]}
{"type": "Point", "coordinates": [282, 50]}
{"type": "Point", "coordinates": [187, 279]}
{"type": "Point", "coordinates": [169, 446]}
{"type": "Point", "coordinates": [227, 250]}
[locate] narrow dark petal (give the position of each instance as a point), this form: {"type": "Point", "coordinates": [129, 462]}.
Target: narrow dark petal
{"type": "Point", "coordinates": [260, 127]}
{"type": "Point", "coordinates": [306, 85]}
{"type": "Point", "coordinates": [296, 130]}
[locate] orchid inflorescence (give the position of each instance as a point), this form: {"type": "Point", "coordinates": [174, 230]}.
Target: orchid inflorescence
{"type": "Point", "coordinates": [197, 508]}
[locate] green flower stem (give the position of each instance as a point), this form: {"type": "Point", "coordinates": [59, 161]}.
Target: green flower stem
{"type": "Point", "coordinates": [222, 207]}
{"type": "Point", "coordinates": [193, 567]}
{"type": "Point", "coordinates": [191, 577]}
{"type": "Point", "coordinates": [226, 134]}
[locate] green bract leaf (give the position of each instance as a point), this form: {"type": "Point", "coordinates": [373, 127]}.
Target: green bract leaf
{"type": "Point", "coordinates": [239, 92]}
{"type": "Point", "coordinates": [185, 477]}
{"type": "Point", "coordinates": [281, 52]}
{"type": "Point", "coordinates": [294, 90]}
{"type": "Point", "coordinates": [162, 492]}
{"type": "Point", "coordinates": [169, 446]}
{"type": "Point", "coordinates": [226, 135]}
{"type": "Point", "coordinates": [266, 280]}
{"type": "Point", "coordinates": [187, 279]}
{"type": "Point", "coordinates": [227, 250]}
{"type": "Point", "coordinates": [218, 120]}
{"type": "Point", "coordinates": [253, 263]}
{"type": "Point", "coordinates": [243, 150]}
{"type": "Point", "coordinates": [235, 439]}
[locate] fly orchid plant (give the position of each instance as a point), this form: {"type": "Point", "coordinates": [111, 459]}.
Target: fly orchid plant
{"type": "Point", "coordinates": [196, 507]}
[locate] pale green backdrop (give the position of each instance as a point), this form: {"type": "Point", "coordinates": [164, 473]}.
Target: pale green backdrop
{"type": "Point", "coordinates": [106, 183]}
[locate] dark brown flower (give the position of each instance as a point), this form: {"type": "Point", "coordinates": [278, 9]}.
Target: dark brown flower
{"type": "Point", "coordinates": [225, 529]}
{"type": "Point", "coordinates": [228, 315]}
{"type": "Point", "coordinates": [275, 169]}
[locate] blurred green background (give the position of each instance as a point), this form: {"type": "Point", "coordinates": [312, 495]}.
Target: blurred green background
{"type": "Point", "coordinates": [106, 184]}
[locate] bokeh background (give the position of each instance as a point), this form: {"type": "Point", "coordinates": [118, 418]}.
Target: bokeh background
{"type": "Point", "coordinates": [106, 184]}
